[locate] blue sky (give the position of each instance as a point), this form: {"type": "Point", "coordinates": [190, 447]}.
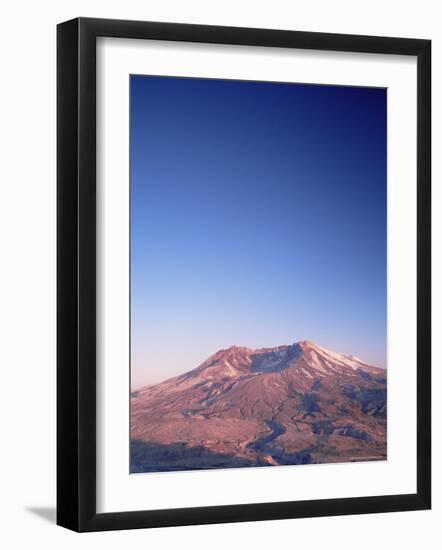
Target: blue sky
{"type": "Point", "coordinates": [258, 218]}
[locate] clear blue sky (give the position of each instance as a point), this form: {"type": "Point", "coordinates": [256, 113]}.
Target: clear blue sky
{"type": "Point", "coordinates": [258, 218]}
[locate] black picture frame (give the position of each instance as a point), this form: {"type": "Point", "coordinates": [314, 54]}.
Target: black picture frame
{"type": "Point", "coordinates": [77, 287]}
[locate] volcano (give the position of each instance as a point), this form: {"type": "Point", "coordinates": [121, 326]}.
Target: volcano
{"type": "Point", "coordinates": [287, 405]}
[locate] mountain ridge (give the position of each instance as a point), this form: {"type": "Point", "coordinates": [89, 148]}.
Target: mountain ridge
{"type": "Point", "coordinates": [304, 346]}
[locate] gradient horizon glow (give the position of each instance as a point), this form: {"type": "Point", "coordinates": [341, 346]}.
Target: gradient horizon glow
{"type": "Point", "coordinates": [258, 218]}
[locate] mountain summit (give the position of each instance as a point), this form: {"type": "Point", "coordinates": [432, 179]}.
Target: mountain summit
{"type": "Point", "coordinates": [291, 404]}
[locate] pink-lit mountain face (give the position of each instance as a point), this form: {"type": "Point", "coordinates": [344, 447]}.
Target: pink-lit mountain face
{"type": "Point", "coordinates": [295, 404]}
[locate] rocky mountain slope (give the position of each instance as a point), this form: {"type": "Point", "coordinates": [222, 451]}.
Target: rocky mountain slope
{"type": "Point", "coordinates": [294, 404]}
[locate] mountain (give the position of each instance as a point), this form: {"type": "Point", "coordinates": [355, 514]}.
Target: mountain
{"type": "Point", "coordinates": [293, 404]}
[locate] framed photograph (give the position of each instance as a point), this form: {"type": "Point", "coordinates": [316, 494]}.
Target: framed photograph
{"type": "Point", "coordinates": [243, 274]}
